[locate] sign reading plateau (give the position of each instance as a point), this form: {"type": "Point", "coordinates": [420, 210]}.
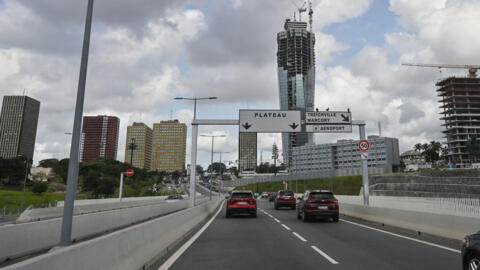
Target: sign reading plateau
{"type": "Point", "coordinates": [269, 121]}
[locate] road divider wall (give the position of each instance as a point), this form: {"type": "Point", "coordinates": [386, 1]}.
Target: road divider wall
{"type": "Point", "coordinates": [134, 247]}
{"type": "Point", "coordinates": [448, 226]}
{"type": "Point", "coordinates": [26, 238]}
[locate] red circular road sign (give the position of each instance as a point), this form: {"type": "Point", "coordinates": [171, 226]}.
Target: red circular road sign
{"type": "Point", "coordinates": [363, 145]}
{"type": "Point", "coordinates": [129, 172]}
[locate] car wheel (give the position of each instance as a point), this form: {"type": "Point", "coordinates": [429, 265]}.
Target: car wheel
{"type": "Point", "coordinates": [335, 218]}
{"type": "Point", "coordinates": [472, 262]}
{"type": "Point", "coordinates": [227, 215]}
{"type": "Point", "coordinates": [298, 215]}
{"type": "Point", "coordinates": [275, 206]}
{"type": "Point", "coordinates": [294, 207]}
{"type": "Point", "coordinates": [254, 215]}
{"type": "Point", "coordinates": [305, 218]}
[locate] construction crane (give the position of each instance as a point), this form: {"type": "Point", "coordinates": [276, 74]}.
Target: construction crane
{"type": "Point", "coordinates": [300, 9]}
{"type": "Point", "coordinates": [472, 69]}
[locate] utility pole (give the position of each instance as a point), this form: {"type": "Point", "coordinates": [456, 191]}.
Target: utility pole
{"type": "Point", "coordinates": [132, 146]}
{"type": "Point", "coordinates": [211, 164]}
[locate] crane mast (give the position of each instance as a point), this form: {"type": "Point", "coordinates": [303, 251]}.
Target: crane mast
{"type": "Point", "coordinates": [472, 69]}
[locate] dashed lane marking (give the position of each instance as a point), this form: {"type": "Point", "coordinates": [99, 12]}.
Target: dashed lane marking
{"type": "Point", "coordinates": [324, 255]}
{"type": "Point", "coordinates": [286, 227]}
{"type": "Point", "coordinates": [299, 237]}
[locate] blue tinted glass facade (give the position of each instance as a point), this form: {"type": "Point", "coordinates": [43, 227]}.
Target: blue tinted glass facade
{"type": "Point", "coordinates": [296, 78]}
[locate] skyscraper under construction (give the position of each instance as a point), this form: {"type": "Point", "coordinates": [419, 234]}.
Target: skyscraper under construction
{"type": "Point", "coordinates": [296, 78]}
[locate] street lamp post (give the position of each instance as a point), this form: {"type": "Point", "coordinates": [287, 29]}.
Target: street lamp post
{"type": "Point", "coordinates": [24, 180]}
{"type": "Point", "coordinates": [221, 172]}
{"type": "Point", "coordinates": [132, 146]}
{"type": "Point", "coordinates": [72, 179]}
{"type": "Point", "coordinates": [211, 163]}
{"type": "Point", "coordinates": [193, 158]}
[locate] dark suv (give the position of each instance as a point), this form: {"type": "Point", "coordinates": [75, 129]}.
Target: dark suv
{"type": "Point", "coordinates": [471, 252]}
{"type": "Point", "coordinates": [241, 201]}
{"type": "Point", "coordinates": [317, 203]}
{"type": "Point", "coordinates": [285, 198]}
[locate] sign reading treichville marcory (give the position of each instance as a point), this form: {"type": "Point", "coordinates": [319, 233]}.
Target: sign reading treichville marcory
{"type": "Point", "coordinates": [269, 121]}
{"type": "Point", "coordinates": [328, 118]}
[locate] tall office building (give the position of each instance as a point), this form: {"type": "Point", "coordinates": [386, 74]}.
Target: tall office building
{"type": "Point", "coordinates": [247, 151]}
{"type": "Point", "coordinates": [99, 137]}
{"type": "Point", "coordinates": [296, 78]}
{"type": "Point", "coordinates": [168, 146]}
{"type": "Point", "coordinates": [460, 100]}
{"type": "Point", "coordinates": [141, 136]}
{"type": "Point", "coordinates": [18, 126]}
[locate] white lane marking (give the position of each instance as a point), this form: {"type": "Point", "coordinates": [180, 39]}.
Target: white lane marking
{"type": "Point", "coordinates": [299, 237]}
{"type": "Point", "coordinates": [167, 264]}
{"type": "Point", "coordinates": [324, 255]}
{"type": "Point", "coordinates": [285, 226]}
{"type": "Point", "coordinates": [404, 237]}
{"type": "Point", "coordinates": [278, 221]}
{"type": "Point", "coordinates": [270, 216]}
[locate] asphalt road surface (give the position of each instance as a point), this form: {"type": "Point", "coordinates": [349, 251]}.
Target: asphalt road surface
{"type": "Point", "coordinates": [276, 239]}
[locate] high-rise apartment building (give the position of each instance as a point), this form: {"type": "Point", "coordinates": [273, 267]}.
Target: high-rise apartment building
{"type": "Point", "coordinates": [18, 126]}
{"type": "Point", "coordinates": [296, 78]}
{"type": "Point", "coordinates": [247, 151]}
{"type": "Point", "coordinates": [460, 100]}
{"type": "Point", "coordinates": [141, 136]}
{"type": "Point", "coordinates": [99, 137]}
{"type": "Point", "coordinates": [168, 146]}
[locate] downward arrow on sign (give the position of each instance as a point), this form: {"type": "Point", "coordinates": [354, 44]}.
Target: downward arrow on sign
{"type": "Point", "coordinates": [246, 125]}
{"type": "Point", "coordinates": [293, 125]}
{"type": "Point", "coordinates": [345, 118]}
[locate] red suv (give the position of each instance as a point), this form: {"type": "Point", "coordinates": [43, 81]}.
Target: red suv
{"type": "Point", "coordinates": [317, 203]}
{"type": "Point", "coordinates": [241, 201]}
{"type": "Point", "coordinates": [285, 198]}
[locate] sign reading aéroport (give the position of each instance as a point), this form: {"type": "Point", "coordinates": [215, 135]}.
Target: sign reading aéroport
{"type": "Point", "coordinates": [269, 121]}
{"type": "Point", "coordinates": [329, 128]}
{"type": "Point", "coordinates": [328, 117]}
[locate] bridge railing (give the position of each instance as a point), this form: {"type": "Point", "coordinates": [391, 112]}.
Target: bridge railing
{"type": "Point", "coordinates": [466, 207]}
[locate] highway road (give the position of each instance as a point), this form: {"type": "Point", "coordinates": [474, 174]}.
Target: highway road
{"type": "Point", "coordinates": [277, 240]}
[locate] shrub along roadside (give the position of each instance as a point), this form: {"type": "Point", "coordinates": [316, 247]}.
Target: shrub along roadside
{"type": "Point", "coordinates": [340, 185]}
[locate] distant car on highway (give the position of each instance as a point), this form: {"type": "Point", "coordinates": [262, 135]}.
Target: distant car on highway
{"type": "Point", "coordinates": [316, 204]}
{"type": "Point", "coordinates": [285, 198]}
{"type": "Point", "coordinates": [174, 198]}
{"type": "Point", "coordinates": [241, 202]}
{"type": "Point", "coordinates": [272, 197]}
{"type": "Point", "coordinates": [471, 252]}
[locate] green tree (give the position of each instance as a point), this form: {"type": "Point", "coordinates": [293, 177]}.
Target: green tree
{"type": "Point", "coordinates": [48, 163]}
{"type": "Point", "coordinates": [175, 175]}
{"type": "Point", "coordinates": [39, 187]}
{"type": "Point", "coordinates": [430, 151]}
{"type": "Point", "coordinates": [217, 167]}
{"type": "Point", "coordinates": [12, 171]}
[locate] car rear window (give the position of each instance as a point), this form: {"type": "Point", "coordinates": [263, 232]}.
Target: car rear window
{"type": "Point", "coordinates": [321, 195]}
{"type": "Point", "coordinates": [242, 195]}
{"type": "Point", "coordinates": [286, 193]}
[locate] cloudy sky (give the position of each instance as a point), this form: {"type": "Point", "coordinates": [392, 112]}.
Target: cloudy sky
{"type": "Point", "coordinates": [146, 52]}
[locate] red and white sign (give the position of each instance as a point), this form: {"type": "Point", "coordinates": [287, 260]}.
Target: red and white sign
{"type": "Point", "coordinates": [363, 145]}
{"type": "Point", "coordinates": [129, 172]}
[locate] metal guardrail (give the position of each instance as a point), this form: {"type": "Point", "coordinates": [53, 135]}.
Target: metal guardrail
{"type": "Point", "coordinates": [465, 207]}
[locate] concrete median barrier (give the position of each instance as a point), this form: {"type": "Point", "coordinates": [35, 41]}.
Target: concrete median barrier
{"type": "Point", "coordinates": [448, 226]}
{"type": "Point", "coordinates": [130, 248]}
{"type": "Point", "coordinates": [26, 238]}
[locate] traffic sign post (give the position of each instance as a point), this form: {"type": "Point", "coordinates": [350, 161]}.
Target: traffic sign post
{"type": "Point", "coordinates": [363, 145]}
{"type": "Point", "coordinates": [129, 172]}
{"type": "Point", "coordinates": [269, 121]}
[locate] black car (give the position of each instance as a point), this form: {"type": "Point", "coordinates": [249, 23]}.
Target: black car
{"type": "Point", "coordinates": [471, 252]}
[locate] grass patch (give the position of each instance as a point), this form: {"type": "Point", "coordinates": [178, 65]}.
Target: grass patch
{"type": "Point", "coordinates": [340, 185]}
{"type": "Point", "coordinates": [11, 198]}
